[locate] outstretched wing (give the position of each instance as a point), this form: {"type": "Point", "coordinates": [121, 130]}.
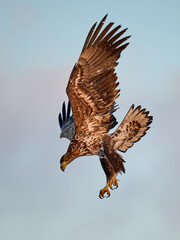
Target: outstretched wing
{"type": "Point", "coordinates": [92, 87]}
{"type": "Point", "coordinates": [132, 128]}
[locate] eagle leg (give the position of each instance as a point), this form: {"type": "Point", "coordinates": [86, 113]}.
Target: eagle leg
{"type": "Point", "coordinates": [114, 158]}
{"type": "Point", "coordinates": [110, 175]}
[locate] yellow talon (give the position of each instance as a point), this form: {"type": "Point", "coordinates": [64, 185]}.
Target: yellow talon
{"type": "Point", "coordinates": [103, 191]}
{"type": "Point", "coordinates": [114, 182]}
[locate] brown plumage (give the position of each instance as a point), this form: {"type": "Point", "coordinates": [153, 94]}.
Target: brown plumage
{"type": "Point", "coordinates": [92, 91]}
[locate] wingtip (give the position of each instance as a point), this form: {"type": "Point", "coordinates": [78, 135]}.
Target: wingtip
{"type": "Point", "coordinates": [68, 109]}
{"type": "Point", "coordinates": [94, 25]}
{"type": "Point", "coordinates": [63, 106]}
{"type": "Point", "coordinates": [128, 37]}
{"type": "Point", "coordinates": [104, 18]}
{"type": "Point", "coordinates": [60, 120]}
{"type": "Point", "coordinates": [106, 15]}
{"type": "Point", "coordinates": [64, 111]}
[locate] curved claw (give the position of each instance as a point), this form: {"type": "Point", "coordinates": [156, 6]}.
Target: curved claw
{"type": "Point", "coordinates": [113, 187]}
{"type": "Point", "coordinates": [116, 186]}
{"type": "Point", "coordinates": [113, 182]}
{"type": "Point", "coordinates": [101, 196]}
{"type": "Point", "coordinates": [108, 195]}
{"type": "Point", "coordinates": [103, 191]}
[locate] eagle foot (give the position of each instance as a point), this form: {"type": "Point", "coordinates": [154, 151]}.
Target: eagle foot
{"type": "Point", "coordinates": [113, 182]}
{"type": "Point", "coordinates": [103, 191]}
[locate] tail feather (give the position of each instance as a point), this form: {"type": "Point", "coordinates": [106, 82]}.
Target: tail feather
{"type": "Point", "coordinates": [132, 128]}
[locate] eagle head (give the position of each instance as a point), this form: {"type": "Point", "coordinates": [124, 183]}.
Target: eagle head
{"type": "Point", "coordinates": [75, 150]}
{"type": "Point", "coordinates": [63, 163]}
{"type": "Point", "coordinates": [65, 160]}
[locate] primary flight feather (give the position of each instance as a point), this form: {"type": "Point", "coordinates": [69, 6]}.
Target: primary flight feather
{"type": "Point", "coordinates": [92, 91]}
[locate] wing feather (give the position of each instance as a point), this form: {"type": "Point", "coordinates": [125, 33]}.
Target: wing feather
{"type": "Point", "coordinates": [115, 37]}
{"type": "Point", "coordinates": [103, 33]}
{"type": "Point", "coordinates": [68, 109]}
{"type": "Point", "coordinates": [92, 87]}
{"type": "Point", "coordinates": [89, 36]}
{"type": "Point", "coordinates": [109, 35]}
{"type": "Point", "coordinates": [97, 31]}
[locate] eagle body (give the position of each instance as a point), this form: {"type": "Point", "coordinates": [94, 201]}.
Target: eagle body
{"type": "Point", "coordinates": [92, 91]}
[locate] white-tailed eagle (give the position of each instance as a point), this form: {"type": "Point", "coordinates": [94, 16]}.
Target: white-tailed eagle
{"type": "Point", "coordinates": [92, 91]}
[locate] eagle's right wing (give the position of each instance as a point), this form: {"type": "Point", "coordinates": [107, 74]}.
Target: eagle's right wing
{"type": "Point", "coordinates": [66, 122]}
{"type": "Point", "coordinates": [132, 128]}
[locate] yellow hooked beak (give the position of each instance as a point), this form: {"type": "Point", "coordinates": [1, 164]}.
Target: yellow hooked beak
{"type": "Point", "coordinates": [63, 165]}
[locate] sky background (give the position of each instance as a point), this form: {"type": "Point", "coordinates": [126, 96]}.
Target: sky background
{"type": "Point", "coordinates": [39, 43]}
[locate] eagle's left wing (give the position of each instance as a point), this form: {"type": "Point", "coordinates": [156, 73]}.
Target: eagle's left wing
{"type": "Point", "coordinates": [93, 81]}
{"type": "Point", "coordinates": [132, 128]}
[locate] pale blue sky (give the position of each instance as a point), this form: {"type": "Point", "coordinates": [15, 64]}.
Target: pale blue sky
{"type": "Point", "coordinates": [39, 44]}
